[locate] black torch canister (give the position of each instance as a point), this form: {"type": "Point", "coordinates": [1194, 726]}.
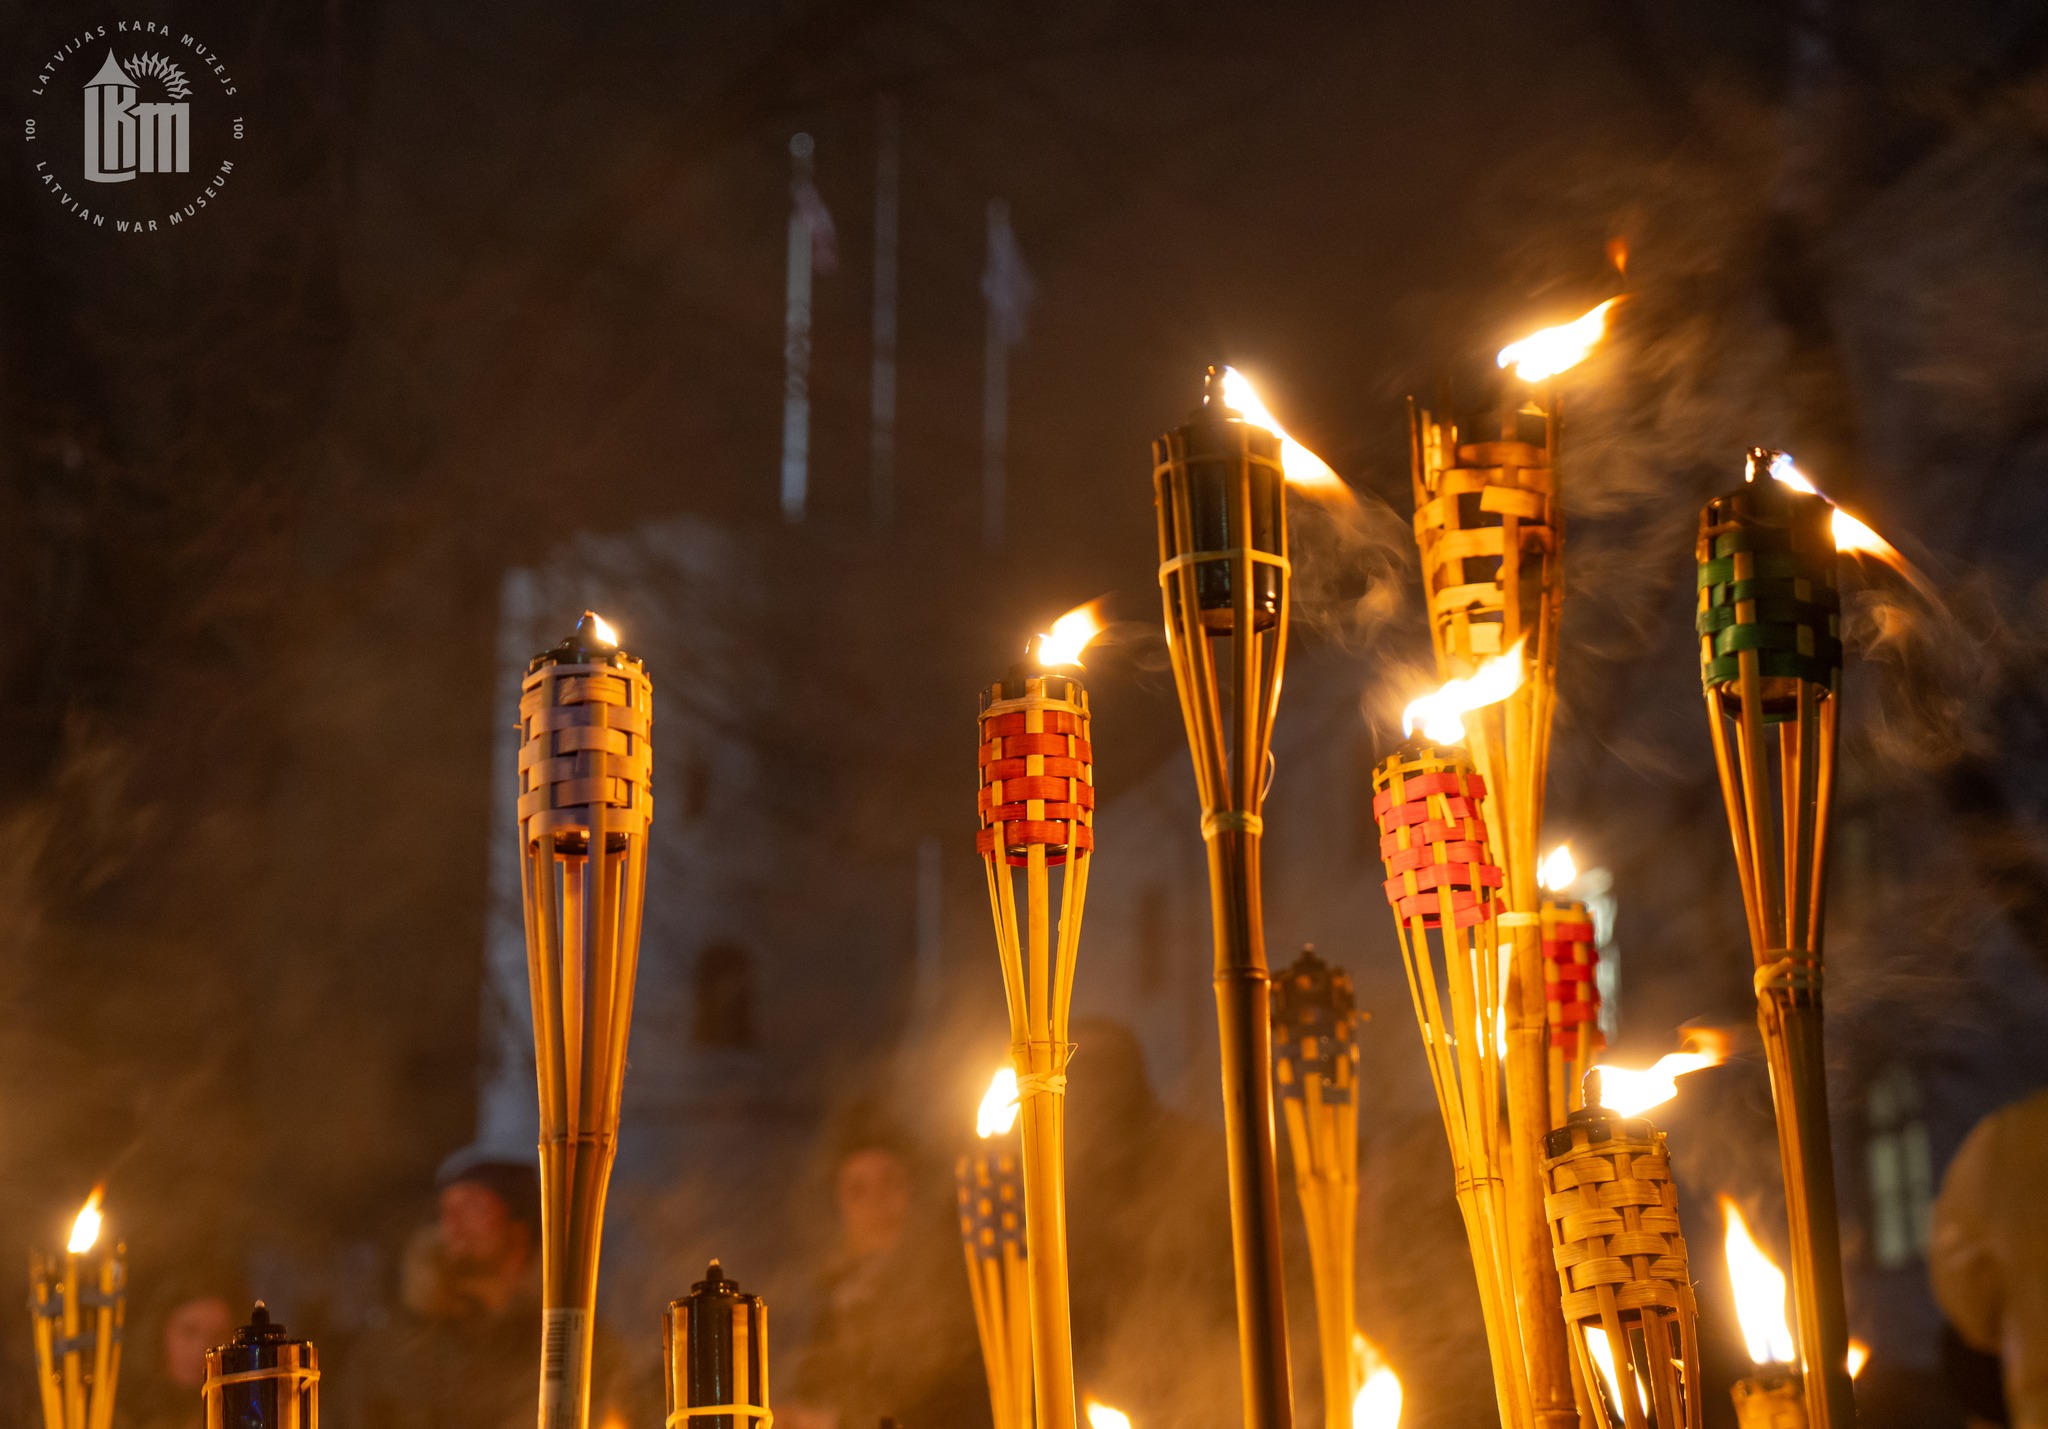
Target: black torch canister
{"type": "Point", "coordinates": [263, 1379]}
{"type": "Point", "coordinates": [714, 1345]}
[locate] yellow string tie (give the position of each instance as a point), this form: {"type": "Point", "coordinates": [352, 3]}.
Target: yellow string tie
{"type": "Point", "coordinates": [1231, 821]}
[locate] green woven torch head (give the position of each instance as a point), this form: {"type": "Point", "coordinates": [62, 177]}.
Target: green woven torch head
{"type": "Point", "coordinates": [1767, 590]}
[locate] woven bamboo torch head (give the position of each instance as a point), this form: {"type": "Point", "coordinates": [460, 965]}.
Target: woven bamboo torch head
{"type": "Point", "coordinates": [586, 710]}
{"type": "Point", "coordinates": [1428, 805]}
{"type": "Point", "coordinates": [1220, 489]}
{"type": "Point", "coordinates": [263, 1379]}
{"type": "Point", "coordinates": [1315, 1029]}
{"type": "Point", "coordinates": [1037, 766]}
{"type": "Point", "coordinates": [1768, 589]}
{"type": "Point", "coordinates": [715, 1357]}
{"type": "Point", "coordinates": [1488, 526]}
{"type": "Point", "coordinates": [1628, 1299]}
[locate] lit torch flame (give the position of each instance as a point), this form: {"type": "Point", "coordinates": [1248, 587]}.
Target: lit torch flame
{"type": "Point", "coordinates": [1602, 1352]}
{"type": "Point", "coordinates": [1101, 1416]}
{"type": "Point", "coordinates": [86, 1229]}
{"type": "Point", "coordinates": [1069, 636]}
{"type": "Point", "coordinates": [1852, 537]}
{"type": "Point", "coordinates": [1557, 349]}
{"type": "Point", "coordinates": [1558, 871]}
{"type": "Point", "coordinates": [1438, 712]}
{"type": "Point", "coordinates": [602, 628]}
{"type": "Point", "coordinates": [998, 1111]}
{"type": "Point", "coordinates": [1631, 1093]}
{"type": "Point", "coordinates": [1300, 466]}
{"type": "Point", "coordinates": [1377, 1405]}
{"type": "Point", "coordinates": [1859, 1356]}
{"type": "Point", "coordinates": [1759, 1293]}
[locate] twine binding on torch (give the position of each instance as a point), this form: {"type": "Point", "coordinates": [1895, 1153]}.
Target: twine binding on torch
{"type": "Point", "coordinates": [1792, 973]}
{"type": "Point", "coordinates": [1518, 920]}
{"type": "Point", "coordinates": [1052, 1083]}
{"type": "Point", "coordinates": [1235, 821]}
{"type": "Point", "coordinates": [761, 1412]}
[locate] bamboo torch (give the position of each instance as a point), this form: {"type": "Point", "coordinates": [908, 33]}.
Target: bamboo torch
{"type": "Point", "coordinates": [1491, 535]}
{"type": "Point", "coordinates": [1315, 1067]}
{"type": "Point", "coordinates": [78, 1305]}
{"type": "Point", "coordinates": [1445, 892]}
{"type": "Point", "coordinates": [262, 1379]}
{"type": "Point", "coordinates": [1219, 486]}
{"type": "Point", "coordinates": [1771, 664]}
{"type": "Point", "coordinates": [714, 1357]}
{"type": "Point", "coordinates": [1037, 806]}
{"type": "Point", "coordinates": [1571, 987]}
{"type": "Point", "coordinates": [1613, 1212]}
{"type": "Point", "coordinates": [991, 1189]}
{"type": "Point", "coordinates": [585, 710]}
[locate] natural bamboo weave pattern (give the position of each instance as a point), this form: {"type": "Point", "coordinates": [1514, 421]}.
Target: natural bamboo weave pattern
{"type": "Point", "coordinates": [1613, 1213]}
{"type": "Point", "coordinates": [586, 710]}
{"type": "Point", "coordinates": [1490, 532]}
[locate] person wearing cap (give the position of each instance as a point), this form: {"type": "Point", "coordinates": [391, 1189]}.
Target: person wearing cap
{"type": "Point", "coordinates": [463, 1349]}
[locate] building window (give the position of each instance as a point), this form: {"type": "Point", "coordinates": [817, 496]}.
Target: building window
{"type": "Point", "coordinates": [725, 998]}
{"type": "Point", "coordinates": [1901, 1168]}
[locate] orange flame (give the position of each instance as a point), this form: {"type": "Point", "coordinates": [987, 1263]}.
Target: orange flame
{"type": "Point", "coordinates": [1852, 537]}
{"type": "Point", "coordinates": [1617, 254]}
{"type": "Point", "coordinates": [1377, 1405]}
{"type": "Point", "coordinates": [1438, 713]}
{"type": "Point", "coordinates": [86, 1229]}
{"type": "Point", "coordinates": [1558, 871]}
{"type": "Point", "coordinates": [998, 1111]}
{"type": "Point", "coordinates": [1101, 1416]}
{"type": "Point", "coordinates": [1631, 1093]}
{"type": "Point", "coordinates": [1859, 1356]}
{"type": "Point", "coordinates": [1301, 467]}
{"type": "Point", "coordinates": [1759, 1293]}
{"type": "Point", "coordinates": [1557, 349]}
{"type": "Point", "coordinates": [1070, 635]}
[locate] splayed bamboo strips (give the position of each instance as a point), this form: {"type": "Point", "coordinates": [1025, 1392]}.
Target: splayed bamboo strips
{"type": "Point", "coordinates": [1315, 1068]}
{"type": "Point", "coordinates": [1491, 537]}
{"type": "Point", "coordinates": [1445, 891]}
{"type": "Point", "coordinates": [1770, 664]}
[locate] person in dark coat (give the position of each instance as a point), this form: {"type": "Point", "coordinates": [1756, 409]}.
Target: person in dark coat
{"type": "Point", "coordinates": [894, 1337]}
{"type": "Point", "coordinates": [463, 1351]}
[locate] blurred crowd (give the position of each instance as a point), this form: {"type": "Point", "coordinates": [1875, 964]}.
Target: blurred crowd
{"type": "Point", "coordinates": [890, 1333]}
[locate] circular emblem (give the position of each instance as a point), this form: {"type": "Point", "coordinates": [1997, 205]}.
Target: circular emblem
{"type": "Point", "coordinates": [133, 126]}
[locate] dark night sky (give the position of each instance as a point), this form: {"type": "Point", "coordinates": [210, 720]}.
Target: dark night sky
{"type": "Point", "coordinates": [491, 275]}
